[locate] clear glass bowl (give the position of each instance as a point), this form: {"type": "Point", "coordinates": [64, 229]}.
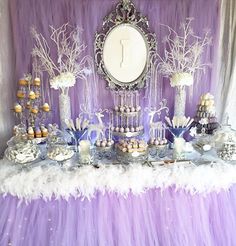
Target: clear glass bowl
{"type": "Point", "coordinates": [23, 152]}
{"type": "Point", "coordinates": [158, 151]}
{"type": "Point", "coordinates": [60, 153]}
{"type": "Point", "coordinates": [135, 157]}
{"type": "Point", "coordinates": [224, 141]}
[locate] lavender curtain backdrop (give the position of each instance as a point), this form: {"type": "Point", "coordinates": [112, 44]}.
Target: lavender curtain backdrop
{"type": "Point", "coordinates": [156, 218]}
{"type": "Point", "coordinates": [7, 66]}
{"type": "Point", "coordinates": [88, 14]}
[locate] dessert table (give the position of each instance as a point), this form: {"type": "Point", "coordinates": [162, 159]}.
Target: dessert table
{"type": "Point", "coordinates": [180, 204]}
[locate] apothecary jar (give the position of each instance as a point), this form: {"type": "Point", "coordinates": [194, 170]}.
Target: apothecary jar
{"type": "Point", "coordinates": [225, 142]}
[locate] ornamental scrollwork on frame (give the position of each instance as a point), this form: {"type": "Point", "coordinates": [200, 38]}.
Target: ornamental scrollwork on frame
{"type": "Point", "coordinates": [124, 13]}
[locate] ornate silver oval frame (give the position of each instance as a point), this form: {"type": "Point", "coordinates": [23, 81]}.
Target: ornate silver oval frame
{"type": "Point", "coordinates": [124, 13]}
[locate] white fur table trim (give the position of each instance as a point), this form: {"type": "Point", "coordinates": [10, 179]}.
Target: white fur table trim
{"type": "Point", "coordinates": [47, 179]}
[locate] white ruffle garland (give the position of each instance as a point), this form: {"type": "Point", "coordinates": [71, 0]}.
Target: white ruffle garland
{"type": "Point", "coordinates": [181, 79]}
{"type": "Point", "coordinates": [63, 80]}
{"type": "Point", "coordinates": [47, 179]}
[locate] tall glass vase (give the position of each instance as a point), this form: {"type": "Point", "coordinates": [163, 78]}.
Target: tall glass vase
{"type": "Point", "coordinates": [180, 101]}
{"type": "Point", "coordinates": [64, 108]}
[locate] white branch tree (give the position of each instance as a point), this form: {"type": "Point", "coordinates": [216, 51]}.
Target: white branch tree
{"type": "Point", "coordinates": [62, 58]}
{"type": "Point", "coordinates": [183, 52]}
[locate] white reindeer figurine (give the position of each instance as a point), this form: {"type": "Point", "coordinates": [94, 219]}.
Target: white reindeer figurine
{"type": "Point", "coordinates": [155, 126]}
{"type": "Point", "coordinates": [98, 128]}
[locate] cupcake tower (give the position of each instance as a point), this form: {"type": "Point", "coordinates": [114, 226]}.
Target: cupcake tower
{"type": "Point", "coordinates": [28, 106]}
{"type": "Point", "coordinates": [127, 115]}
{"type": "Point", "coordinates": [206, 114]}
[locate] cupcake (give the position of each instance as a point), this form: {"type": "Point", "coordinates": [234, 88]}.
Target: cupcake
{"type": "Point", "coordinates": [37, 94]}
{"type": "Point", "coordinates": [135, 145]}
{"type": "Point", "coordinates": [46, 107]}
{"type": "Point", "coordinates": [32, 95]}
{"type": "Point", "coordinates": [38, 133]}
{"type": "Point", "coordinates": [30, 133]}
{"type": "Point", "coordinates": [37, 81]}
{"type": "Point", "coordinates": [22, 82]}
{"type": "Point", "coordinates": [20, 94]}
{"type": "Point", "coordinates": [28, 105]}
{"type": "Point", "coordinates": [18, 108]}
{"type": "Point", "coordinates": [45, 132]}
{"type": "Point", "coordinates": [34, 110]}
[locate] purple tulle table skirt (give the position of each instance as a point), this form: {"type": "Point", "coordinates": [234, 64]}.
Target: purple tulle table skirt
{"type": "Point", "coordinates": [156, 217]}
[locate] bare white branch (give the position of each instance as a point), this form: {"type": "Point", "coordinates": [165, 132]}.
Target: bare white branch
{"type": "Point", "coordinates": [183, 52]}
{"type": "Point", "coordinates": [65, 56]}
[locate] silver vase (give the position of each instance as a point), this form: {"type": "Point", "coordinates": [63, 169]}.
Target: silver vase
{"type": "Point", "coordinates": [180, 101]}
{"type": "Point", "coordinates": [64, 108]}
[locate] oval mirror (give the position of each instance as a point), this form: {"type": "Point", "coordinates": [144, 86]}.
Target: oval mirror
{"type": "Point", "coordinates": [124, 48]}
{"type": "Point", "coordinates": [125, 53]}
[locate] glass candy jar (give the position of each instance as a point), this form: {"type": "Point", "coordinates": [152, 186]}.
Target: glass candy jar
{"type": "Point", "coordinates": [21, 150]}
{"type": "Point", "coordinates": [225, 143]}
{"type": "Point", "coordinates": [202, 142]}
{"type": "Point", "coordinates": [58, 149]}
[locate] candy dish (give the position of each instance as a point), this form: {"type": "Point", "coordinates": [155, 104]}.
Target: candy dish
{"type": "Point", "coordinates": [60, 153]}
{"type": "Point", "coordinates": [158, 148]}
{"type": "Point", "coordinates": [131, 150]}
{"type": "Point", "coordinates": [22, 153]}
{"type": "Point", "coordinates": [133, 157]}
{"type": "Point", "coordinates": [104, 149]}
{"type": "Point", "coordinates": [202, 143]}
{"type": "Point", "coordinates": [20, 149]}
{"type": "Point", "coordinates": [224, 141]}
{"type": "Point", "coordinates": [227, 152]}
